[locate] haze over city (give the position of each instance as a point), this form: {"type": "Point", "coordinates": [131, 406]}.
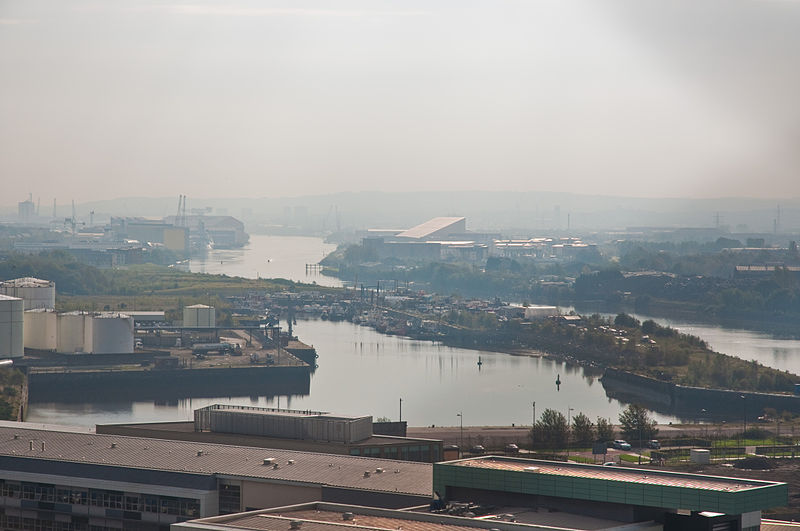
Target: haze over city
{"type": "Point", "coordinates": [266, 99]}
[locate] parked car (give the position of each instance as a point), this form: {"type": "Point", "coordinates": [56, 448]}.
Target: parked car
{"type": "Point", "coordinates": [619, 444]}
{"type": "Point", "coordinates": [654, 444]}
{"type": "Point", "coordinates": [477, 449]}
{"type": "Point", "coordinates": [512, 448]}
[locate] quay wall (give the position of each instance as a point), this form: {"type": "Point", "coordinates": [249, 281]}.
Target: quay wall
{"type": "Point", "coordinates": [694, 402]}
{"type": "Point", "coordinates": [167, 384]}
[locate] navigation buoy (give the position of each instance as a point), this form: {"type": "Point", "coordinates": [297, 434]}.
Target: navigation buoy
{"type": "Point", "coordinates": [558, 382]}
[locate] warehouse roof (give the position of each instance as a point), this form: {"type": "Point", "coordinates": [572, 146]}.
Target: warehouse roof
{"type": "Point", "coordinates": [288, 466]}
{"type": "Point", "coordinates": [319, 516]}
{"type": "Point", "coordinates": [627, 475]}
{"type": "Point", "coordinates": [429, 227]}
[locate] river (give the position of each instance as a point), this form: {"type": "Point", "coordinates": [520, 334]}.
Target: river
{"type": "Point", "coordinates": [270, 257]}
{"type": "Point", "coordinates": [364, 372]}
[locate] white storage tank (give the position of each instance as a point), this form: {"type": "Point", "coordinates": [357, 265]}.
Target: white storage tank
{"type": "Point", "coordinates": [199, 316]}
{"type": "Point", "coordinates": [11, 327]}
{"type": "Point", "coordinates": [36, 293]}
{"type": "Point", "coordinates": [41, 329]}
{"type": "Point", "coordinates": [74, 332]}
{"type": "Point", "coordinates": [112, 333]}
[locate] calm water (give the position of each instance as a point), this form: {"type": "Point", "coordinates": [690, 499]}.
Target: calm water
{"type": "Point", "coordinates": [363, 372]}
{"type": "Point", "coordinates": [270, 257]}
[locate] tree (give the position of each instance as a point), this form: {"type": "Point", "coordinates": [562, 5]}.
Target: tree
{"type": "Point", "coordinates": [551, 430]}
{"type": "Point", "coordinates": [605, 430]}
{"type": "Point", "coordinates": [637, 424]}
{"type": "Point", "coordinates": [582, 429]}
{"type": "Point", "coordinates": [626, 321]}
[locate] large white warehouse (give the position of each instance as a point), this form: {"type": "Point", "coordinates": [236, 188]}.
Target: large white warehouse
{"type": "Point", "coordinates": [11, 326]}
{"type": "Point", "coordinates": [36, 293]}
{"type": "Point", "coordinates": [41, 329]}
{"type": "Point", "coordinates": [199, 316]}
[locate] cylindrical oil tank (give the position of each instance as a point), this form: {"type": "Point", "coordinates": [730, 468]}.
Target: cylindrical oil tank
{"type": "Point", "coordinates": [11, 327]}
{"type": "Point", "coordinates": [41, 329]}
{"type": "Point", "coordinates": [199, 316]}
{"type": "Point", "coordinates": [112, 333]}
{"type": "Point", "coordinates": [36, 293]}
{"type": "Point", "coordinates": [74, 332]}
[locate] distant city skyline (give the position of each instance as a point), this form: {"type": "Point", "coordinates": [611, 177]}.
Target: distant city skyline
{"type": "Point", "coordinates": [248, 98]}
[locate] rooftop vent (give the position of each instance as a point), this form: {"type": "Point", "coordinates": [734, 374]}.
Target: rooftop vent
{"type": "Point", "coordinates": [16, 436]}
{"type": "Point", "coordinates": [200, 452]}
{"type": "Point", "coordinates": [43, 446]}
{"type": "Point", "coordinates": [366, 473]}
{"type": "Point", "coordinates": [532, 469]}
{"type": "Point", "coordinates": [290, 462]}
{"type": "Point", "coordinates": [113, 445]}
{"type": "Point", "coordinates": [269, 461]}
{"type": "Point", "coordinates": [295, 524]}
{"type": "Point", "coordinates": [379, 470]}
{"type": "Point", "coordinates": [348, 516]}
{"type": "Point", "coordinates": [275, 466]}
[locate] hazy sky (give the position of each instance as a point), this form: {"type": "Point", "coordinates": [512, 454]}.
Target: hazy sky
{"type": "Point", "coordinates": [238, 98]}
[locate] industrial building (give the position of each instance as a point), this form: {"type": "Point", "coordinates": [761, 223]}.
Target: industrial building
{"type": "Point", "coordinates": [221, 232]}
{"type": "Point", "coordinates": [435, 229]}
{"type": "Point", "coordinates": [11, 327]}
{"type": "Point", "coordinates": [36, 293]}
{"type": "Point", "coordinates": [337, 517]}
{"type": "Point", "coordinates": [199, 316]}
{"type": "Point", "coordinates": [674, 500]}
{"type": "Point", "coordinates": [311, 431]}
{"type": "Point", "coordinates": [442, 238]}
{"type": "Point", "coordinates": [171, 236]}
{"type": "Point", "coordinates": [69, 478]}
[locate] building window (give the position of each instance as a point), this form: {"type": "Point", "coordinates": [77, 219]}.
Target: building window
{"type": "Point", "coordinates": [133, 503]}
{"type": "Point", "coordinates": [230, 499]}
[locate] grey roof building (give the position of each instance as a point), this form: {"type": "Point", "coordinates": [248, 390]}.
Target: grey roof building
{"type": "Point", "coordinates": [85, 480]}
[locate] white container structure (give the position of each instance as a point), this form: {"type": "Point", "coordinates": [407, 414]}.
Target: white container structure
{"type": "Point", "coordinates": [41, 329]}
{"type": "Point", "coordinates": [112, 333]}
{"type": "Point", "coordinates": [74, 332]}
{"type": "Point", "coordinates": [36, 293]}
{"type": "Point", "coordinates": [11, 327]}
{"type": "Point", "coordinates": [199, 316]}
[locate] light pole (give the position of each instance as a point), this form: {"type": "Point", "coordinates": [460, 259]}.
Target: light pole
{"type": "Point", "coordinates": [744, 414]}
{"type": "Point", "coordinates": [533, 426]}
{"type": "Point", "coordinates": [569, 427]}
{"type": "Point", "coordinates": [401, 410]}
{"type": "Point", "coordinates": [460, 416]}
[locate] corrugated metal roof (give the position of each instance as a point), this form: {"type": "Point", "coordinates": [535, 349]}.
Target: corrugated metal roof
{"type": "Point", "coordinates": [429, 227]}
{"type": "Point", "coordinates": [216, 459]}
{"type": "Point", "coordinates": [609, 473]}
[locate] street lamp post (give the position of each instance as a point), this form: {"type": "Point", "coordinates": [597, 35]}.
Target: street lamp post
{"type": "Point", "coordinates": [533, 426]}
{"type": "Point", "coordinates": [744, 414]}
{"type": "Point", "coordinates": [569, 427]}
{"type": "Point", "coordinates": [460, 416]}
